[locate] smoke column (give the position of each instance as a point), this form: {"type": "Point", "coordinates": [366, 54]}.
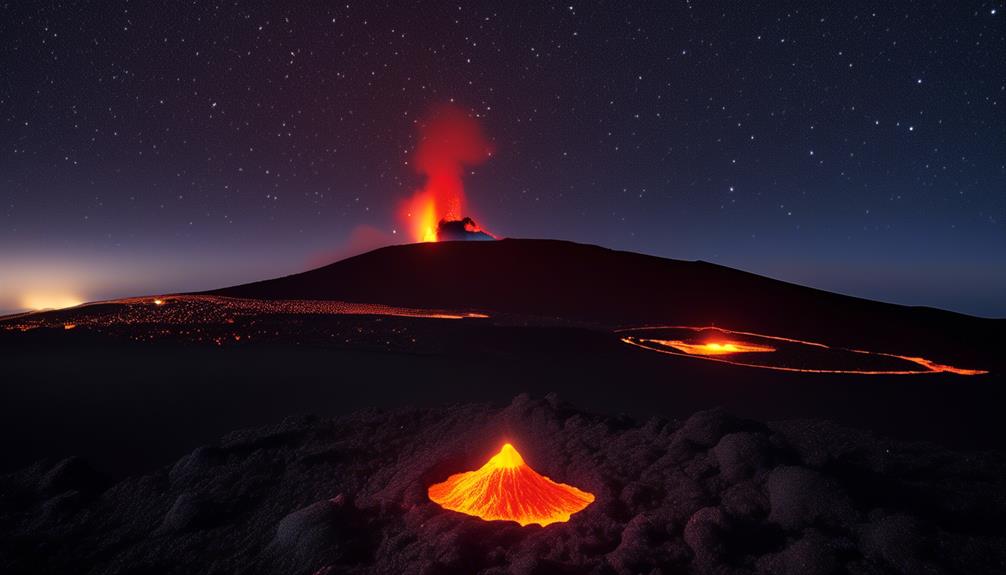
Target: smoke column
{"type": "Point", "coordinates": [449, 141]}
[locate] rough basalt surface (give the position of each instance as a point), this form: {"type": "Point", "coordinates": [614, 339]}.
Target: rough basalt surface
{"type": "Point", "coordinates": [712, 494]}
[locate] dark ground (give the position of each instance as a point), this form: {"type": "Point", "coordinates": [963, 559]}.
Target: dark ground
{"type": "Point", "coordinates": [129, 406]}
{"type": "Point", "coordinates": [713, 494]}
{"type": "Point", "coordinates": [702, 493]}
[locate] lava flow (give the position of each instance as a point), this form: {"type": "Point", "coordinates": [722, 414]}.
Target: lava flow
{"type": "Point", "coordinates": [792, 354]}
{"type": "Point", "coordinates": [507, 489]}
{"type": "Point", "coordinates": [449, 141]}
{"type": "Point", "coordinates": [714, 347]}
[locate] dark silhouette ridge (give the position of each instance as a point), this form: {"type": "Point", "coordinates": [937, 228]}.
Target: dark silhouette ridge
{"type": "Point", "coordinates": [560, 279]}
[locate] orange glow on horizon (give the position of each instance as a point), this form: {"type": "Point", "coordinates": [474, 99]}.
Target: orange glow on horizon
{"type": "Point", "coordinates": [507, 489]}
{"type": "Point", "coordinates": [40, 301]}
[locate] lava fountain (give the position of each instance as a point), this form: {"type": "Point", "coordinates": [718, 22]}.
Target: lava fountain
{"type": "Point", "coordinates": [449, 140]}
{"type": "Point", "coordinates": [507, 489]}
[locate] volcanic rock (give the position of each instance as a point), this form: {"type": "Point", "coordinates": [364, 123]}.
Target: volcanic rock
{"type": "Point", "coordinates": [799, 497]}
{"type": "Point", "coordinates": [812, 554]}
{"type": "Point", "coordinates": [705, 428]}
{"type": "Point", "coordinates": [717, 494]}
{"type": "Point", "coordinates": [308, 528]}
{"type": "Point", "coordinates": [705, 535]}
{"type": "Point", "coordinates": [199, 462]}
{"type": "Point", "coordinates": [189, 511]}
{"type": "Point", "coordinates": [740, 455]}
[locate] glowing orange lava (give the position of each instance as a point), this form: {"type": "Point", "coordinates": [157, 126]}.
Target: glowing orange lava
{"type": "Point", "coordinates": [507, 489]}
{"type": "Point", "coordinates": [706, 350]}
{"type": "Point", "coordinates": [421, 214]}
{"type": "Point", "coordinates": [713, 347]}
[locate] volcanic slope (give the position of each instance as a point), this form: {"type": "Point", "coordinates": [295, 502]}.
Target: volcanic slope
{"type": "Point", "coordinates": [586, 283]}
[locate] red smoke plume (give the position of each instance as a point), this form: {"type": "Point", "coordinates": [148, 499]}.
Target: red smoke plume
{"type": "Point", "coordinates": [449, 140]}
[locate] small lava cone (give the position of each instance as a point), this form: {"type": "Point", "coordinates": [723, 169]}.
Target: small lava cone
{"type": "Point", "coordinates": [461, 230]}
{"type": "Point", "coordinates": [507, 489]}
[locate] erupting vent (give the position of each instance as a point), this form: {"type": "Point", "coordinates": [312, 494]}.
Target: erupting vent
{"type": "Point", "coordinates": [461, 230]}
{"type": "Point", "coordinates": [506, 489]}
{"type": "Point", "coordinates": [450, 140]}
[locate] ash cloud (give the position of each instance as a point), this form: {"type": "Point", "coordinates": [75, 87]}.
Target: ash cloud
{"type": "Point", "coordinates": [450, 139]}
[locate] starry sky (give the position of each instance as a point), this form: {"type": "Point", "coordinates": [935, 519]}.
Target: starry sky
{"type": "Point", "coordinates": [155, 147]}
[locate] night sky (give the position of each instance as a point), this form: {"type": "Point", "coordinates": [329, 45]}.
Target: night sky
{"type": "Point", "coordinates": [158, 147]}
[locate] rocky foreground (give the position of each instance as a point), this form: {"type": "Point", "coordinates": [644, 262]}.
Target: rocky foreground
{"type": "Point", "coordinates": [712, 494]}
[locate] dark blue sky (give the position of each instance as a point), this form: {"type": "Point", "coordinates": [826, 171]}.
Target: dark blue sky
{"type": "Point", "coordinates": [855, 147]}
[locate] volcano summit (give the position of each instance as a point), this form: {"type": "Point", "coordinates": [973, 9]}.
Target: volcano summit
{"type": "Point", "coordinates": [461, 230]}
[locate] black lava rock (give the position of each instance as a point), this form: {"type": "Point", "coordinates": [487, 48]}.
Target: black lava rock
{"type": "Point", "coordinates": [348, 495]}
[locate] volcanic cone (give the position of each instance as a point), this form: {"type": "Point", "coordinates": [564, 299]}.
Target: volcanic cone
{"type": "Point", "coordinates": [507, 489]}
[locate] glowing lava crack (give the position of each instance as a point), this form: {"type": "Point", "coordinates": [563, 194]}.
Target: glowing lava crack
{"type": "Point", "coordinates": [785, 354]}
{"type": "Point", "coordinates": [714, 347]}
{"type": "Point", "coordinates": [506, 489]}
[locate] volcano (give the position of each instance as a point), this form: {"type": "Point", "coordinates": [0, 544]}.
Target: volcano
{"type": "Point", "coordinates": [598, 286]}
{"type": "Point", "coordinates": [507, 489]}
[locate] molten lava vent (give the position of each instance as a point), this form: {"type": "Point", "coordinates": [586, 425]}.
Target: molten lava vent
{"type": "Point", "coordinates": [461, 230]}
{"type": "Point", "coordinates": [506, 489]}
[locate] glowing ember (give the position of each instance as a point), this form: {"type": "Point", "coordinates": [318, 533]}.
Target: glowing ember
{"type": "Point", "coordinates": [449, 140]}
{"type": "Point", "coordinates": [714, 347]}
{"type": "Point", "coordinates": [158, 302]}
{"type": "Point", "coordinates": [507, 489]}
